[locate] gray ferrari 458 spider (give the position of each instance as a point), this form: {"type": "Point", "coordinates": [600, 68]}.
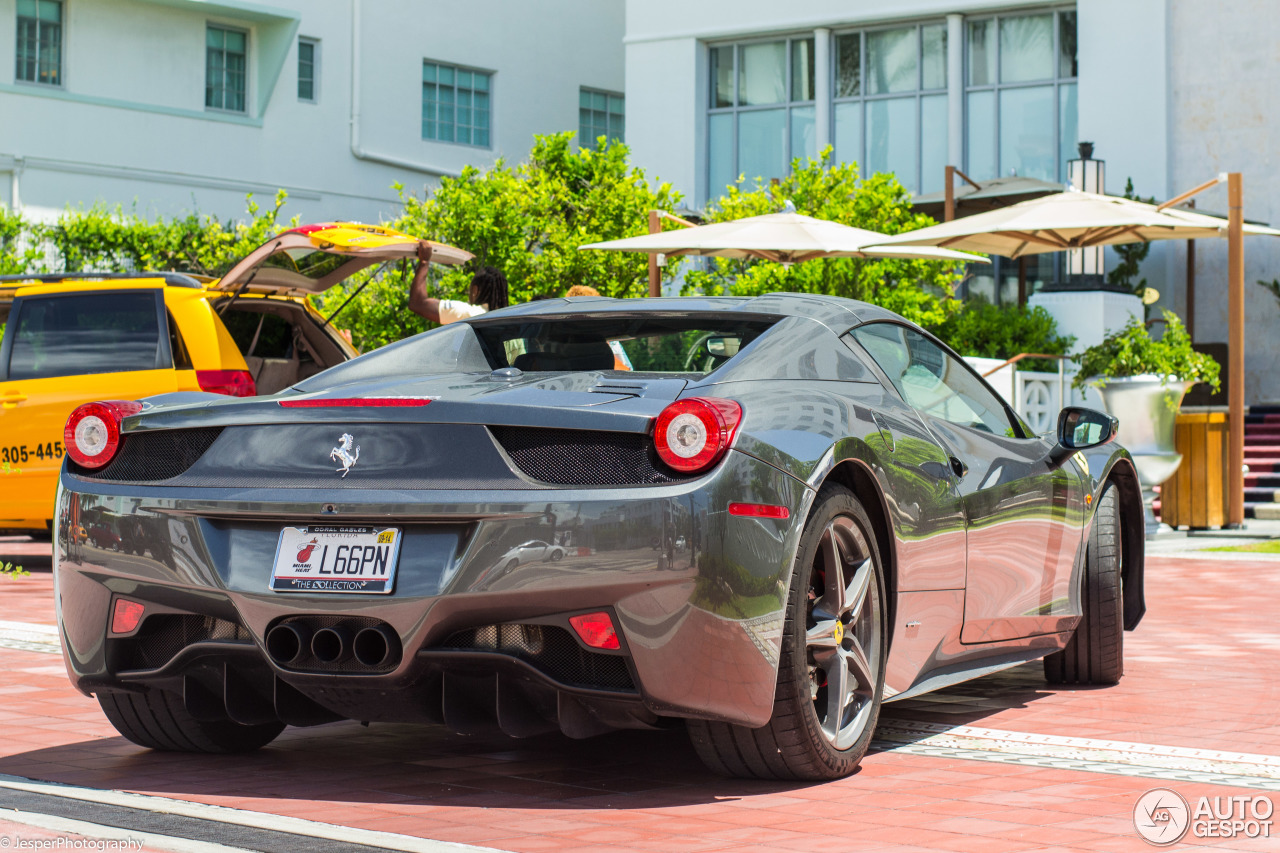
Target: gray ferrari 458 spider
{"type": "Point", "coordinates": [758, 518]}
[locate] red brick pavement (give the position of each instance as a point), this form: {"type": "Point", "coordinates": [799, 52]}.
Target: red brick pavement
{"type": "Point", "coordinates": [1197, 675]}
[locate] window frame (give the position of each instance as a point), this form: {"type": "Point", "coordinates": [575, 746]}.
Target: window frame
{"type": "Point", "coordinates": [490, 75]}
{"type": "Point", "coordinates": [864, 98]}
{"type": "Point", "coordinates": [736, 109]}
{"type": "Point", "coordinates": [1020, 431]}
{"type": "Point", "coordinates": [584, 142]}
{"type": "Point", "coordinates": [996, 87]}
{"type": "Point", "coordinates": [62, 47]}
{"type": "Point", "coordinates": [227, 28]}
{"type": "Point", "coordinates": [164, 353]}
{"type": "Point", "coordinates": [314, 43]}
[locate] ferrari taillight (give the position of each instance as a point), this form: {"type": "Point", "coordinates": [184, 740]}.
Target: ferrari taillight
{"type": "Point", "coordinates": [92, 433]}
{"type": "Point", "coordinates": [233, 383]}
{"type": "Point", "coordinates": [691, 435]}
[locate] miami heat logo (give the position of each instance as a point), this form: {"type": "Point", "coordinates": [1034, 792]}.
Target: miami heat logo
{"type": "Point", "coordinates": [305, 553]}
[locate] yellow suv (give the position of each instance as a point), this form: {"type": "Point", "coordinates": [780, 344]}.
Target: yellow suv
{"type": "Point", "coordinates": [74, 338]}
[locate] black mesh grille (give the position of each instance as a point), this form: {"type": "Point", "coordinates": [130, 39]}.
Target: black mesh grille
{"type": "Point", "coordinates": [165, 634]}
{"type": "Point", "coordinates": [548, 648]}
{"type": "Point", "coordinates": [579, 457]}
{"type": "Point", "coordinates": [149, 457]}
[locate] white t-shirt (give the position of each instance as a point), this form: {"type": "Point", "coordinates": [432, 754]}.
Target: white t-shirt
{"type": "Point", "coordinates": [453, 310]}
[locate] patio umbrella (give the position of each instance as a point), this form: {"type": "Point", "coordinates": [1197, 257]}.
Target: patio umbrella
{"type": "Point", "coordinates": [982, 196]}
{"type": "Point", "coordinates": [1068, 220]}
{"type": "Point", "coordinates": [787, 238]}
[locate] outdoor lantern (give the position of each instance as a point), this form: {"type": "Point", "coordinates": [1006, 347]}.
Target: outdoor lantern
{"type": "Point", "coordinates": [1086, 175]}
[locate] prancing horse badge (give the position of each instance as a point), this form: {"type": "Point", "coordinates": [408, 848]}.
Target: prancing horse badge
{"type": "Point", "coordinates": [345, 453]}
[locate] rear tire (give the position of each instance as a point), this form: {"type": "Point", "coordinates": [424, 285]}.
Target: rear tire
{"type": "Point", "coordinates": [1095, 653]}
{"type": "Point", "coordinates": [812, 735]}
{"type": "Point", "coordinates": [158, 719]}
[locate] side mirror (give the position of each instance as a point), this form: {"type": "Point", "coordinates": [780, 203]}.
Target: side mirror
{"type": "Point", "coordinates": [1080, 428]}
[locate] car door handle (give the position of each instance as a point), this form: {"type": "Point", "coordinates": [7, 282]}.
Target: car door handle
{"type": "Point", "coordinates": [959, 467]}
{"type": "Point", "coordinates": [12, 399]}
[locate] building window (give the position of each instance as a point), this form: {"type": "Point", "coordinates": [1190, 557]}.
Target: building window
{"type": "Point", "coordinates": [455, 104]}
{"type": "Point", "coordinates": [308, 62]}
{"type": "Point", "coordinates": [39, 47]}
{"type": "Point", "coordinates": [760, 110]}
{"type": "Point", "coordinates": [600, 114]}
{"type": "Point", "coordinates": [1020, 95]}
{"type": "Point", "coordinates": [890, 110]}
{"type": "Point", "coordinates": [225, 63]}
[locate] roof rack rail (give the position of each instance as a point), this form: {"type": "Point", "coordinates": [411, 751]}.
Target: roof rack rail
{"type": "Point", "coordinates": [175, 279]}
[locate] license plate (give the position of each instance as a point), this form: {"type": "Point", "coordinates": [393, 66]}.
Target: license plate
{"type": "Point", "coordinates": [336, 559]}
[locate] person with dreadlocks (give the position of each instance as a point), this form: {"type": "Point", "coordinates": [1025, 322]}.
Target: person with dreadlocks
{"type": "Point", "coordinates": [488, 293]}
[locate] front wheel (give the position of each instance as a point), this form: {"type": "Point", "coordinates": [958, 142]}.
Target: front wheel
{"type": "Point", "coordinates": [831, 668]}
{"type": "Point", "coordinates": [1095, 653]}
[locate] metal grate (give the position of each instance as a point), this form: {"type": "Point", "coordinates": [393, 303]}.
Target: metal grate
{"type": "Point", "coordinates": [549, 648]}
{"type": "Point", "coordinates": [149, 457]}
{"type": "Point", "coordinates": [163, 635]}
{"type": "Point", "coordinates": [579, 457]}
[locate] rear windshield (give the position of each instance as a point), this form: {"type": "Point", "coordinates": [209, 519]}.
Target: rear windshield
{"type": "Point", "coordinates": [85, 333]}
{"type": "Point", "coordinates": [689, 345]}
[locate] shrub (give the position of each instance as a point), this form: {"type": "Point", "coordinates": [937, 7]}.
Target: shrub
{"type": "Point", "coordinates": [1132, 351]}
{"type": "Point", "coordinates": [1003, 331]}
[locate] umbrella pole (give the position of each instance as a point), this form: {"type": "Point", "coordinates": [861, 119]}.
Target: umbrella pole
{"type": "Point", "coordinates": [1191, 284]}
{"type": "Point", "coordinates": [949, 206]}
{"type": "Point", "coordinates": [655, 274]}
{"type": "Point", "coordinates": [1235, 348]}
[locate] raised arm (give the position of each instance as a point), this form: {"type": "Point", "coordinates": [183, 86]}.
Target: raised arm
{"type": "Point", "coordinates": [419, 302]}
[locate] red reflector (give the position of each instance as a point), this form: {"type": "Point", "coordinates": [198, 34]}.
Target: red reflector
{"type": "Point", "coordinates": [126, 616]}
{"type": "Point", "coordinates": [596, 630]}
{"type": "Point", "coordinates": [233, 383]}
{"type": "Point", "coordinates": [358, 402]}
{"type": "Point", "coordinates": [759, 510]}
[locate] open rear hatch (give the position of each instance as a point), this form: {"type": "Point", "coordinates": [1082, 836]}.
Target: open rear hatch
{"type": "Point", "coordinates": [313, 258]}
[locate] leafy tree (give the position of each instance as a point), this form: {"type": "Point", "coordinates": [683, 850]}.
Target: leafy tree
{"type": "Point", "coordinates": [991, 331]}
{"type": "Point", "coordinates": [526, 220]}
{"type": "Point", "coordinates": [919, 290]}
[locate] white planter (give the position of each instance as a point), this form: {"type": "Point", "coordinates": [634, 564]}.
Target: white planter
{"type": "Point", "coordinates": [1147, 407]}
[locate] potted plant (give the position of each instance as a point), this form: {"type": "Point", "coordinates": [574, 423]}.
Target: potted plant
{"type": "Point", "coordinates": [1142, 381]}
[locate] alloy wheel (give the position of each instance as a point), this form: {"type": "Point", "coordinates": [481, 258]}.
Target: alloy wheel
{"type": "Point", "coordinates": [842, 637]}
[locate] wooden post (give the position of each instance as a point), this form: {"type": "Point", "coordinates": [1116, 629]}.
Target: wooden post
{"type": "Point", "coordinates": [949, 206]}
{"type": "Point", "coordinates": [1191, 285]}
{"type": "Point", "coordinates": [1022, 281]}
{"type": "Point", "coordinates": [1235, 344]}
{"type": "Point", "coordinates": [655, 273]}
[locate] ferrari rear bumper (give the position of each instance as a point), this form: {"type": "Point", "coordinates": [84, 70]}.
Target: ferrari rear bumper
{"type": "Point", "coordinates": [473, 635]}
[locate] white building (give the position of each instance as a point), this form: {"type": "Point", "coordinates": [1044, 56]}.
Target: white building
{"type": "Point", "coordinates": [1171, 92]}
{"type": "Point", "coordinates": [176, 105]}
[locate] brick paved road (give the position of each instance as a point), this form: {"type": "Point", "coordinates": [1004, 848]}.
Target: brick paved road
{"type": "Point", "coordinates": [1002, 763]}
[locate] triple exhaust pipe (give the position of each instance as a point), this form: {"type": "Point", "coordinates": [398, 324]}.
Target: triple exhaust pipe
{"type": "Point", "coordinates": [296, 645]}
